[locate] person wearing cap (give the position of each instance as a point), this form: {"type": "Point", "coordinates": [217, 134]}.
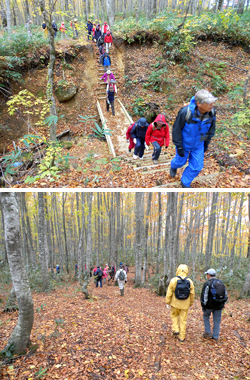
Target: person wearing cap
{"type": "Point", "coordinates": [158, 135]}
{"type": "Point", "coordinates": [105, 28]}
{"type": "Point", "coordinates": [108, 76]}
{"type": "Point", "coordinates": [108, 40]}
{"type": "Point", "coordinates": [111, 91]}
{"type": "Point", "coordinates": [121, 283]}
{"type": "Point", "coordinates": [62, 29]}
{"type": "Point", "coordinates": [179, 308]}
{"type": "Point", "coordinates": [138, 133]}
{"type": "Point", "coordinates": [210, 307]}
{"type": "Point", "coordinates": [193, 130]}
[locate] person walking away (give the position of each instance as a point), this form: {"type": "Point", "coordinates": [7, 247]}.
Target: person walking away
{"type": "Point", "coordinates": [158, 135]}
{"type": "Point", "coordinates": [98, 32]}
{"type": "Point", "coordinates": [213, 298]}
{"type": "Point", "coordinates": [105, 274]}
{"type": "Point", "coordinates": [57, 269]}
{"type": "Point", "coordinates": [76, 27]}
{"type": "Point", "coordinates": [89, 29]}
{"type": "Point", "coordinates": [54, 27]}
{"type": "Point", "coordinates": [111, 91]}
{"type": "Point", "coordinates": [193, 130]}
{"type": "Point", "coordinates": [108, 41]}
{"type": "Point", "coordinates": [93, 31]}
{"type": "Point", "coordinates": [121, 277]}
{"type": "Point", "coordinates": [180, 296]}
{"type": "Point", "coordinates": [105, 28]}
{"type": "Point", "coordinates": [126, 268]}
{"type": "Point", "coordinates": [108, 76]}
{"type": "Point", "coordinates": [62, 29]}
{"type": "Point", "coordinates": [138, 133]}
{"type": "Point", "coordinates": [45, 29]}
{"type": "Point", "coordinates": [99, 275]}
{"type": "Point", "coordinates": [105, 61]}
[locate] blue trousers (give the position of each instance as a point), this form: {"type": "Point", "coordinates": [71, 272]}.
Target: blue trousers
{"type": "Point", "coordinates": [96, 285]}
{"type": "Point", "coordinates": [157, 150]}
{"type": "Point", "coordinates": [139, 147]}
{"type": "Point", "coordinates": [195, 164]}
{"type": "Point", "coordinates": [216, 319]}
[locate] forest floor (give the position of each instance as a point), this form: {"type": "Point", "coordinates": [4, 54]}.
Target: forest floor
{"type": "Point", "coordinates": [113, 337]}
{"type": "Point", "coordinates": [227, 161]}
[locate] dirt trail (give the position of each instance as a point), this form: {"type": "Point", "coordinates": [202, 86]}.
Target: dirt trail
{"type": "Point", "coordinates": [114, 337]}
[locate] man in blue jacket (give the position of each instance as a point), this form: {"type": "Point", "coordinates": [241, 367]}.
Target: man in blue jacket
{"type": "Point", "coordinates": [193, 130]}
{"type": "Point", "coordinates": [138, 133]}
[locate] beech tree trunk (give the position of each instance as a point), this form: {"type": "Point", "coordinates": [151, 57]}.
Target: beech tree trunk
{"type": "Point", "coordinates": [20, 337]}
{"type": "Point", "coordinates": [42, 238]}
{"type": "Point", "coordinates": [47, 15]}
{"type": "Point", "coordinates": [211, 229]}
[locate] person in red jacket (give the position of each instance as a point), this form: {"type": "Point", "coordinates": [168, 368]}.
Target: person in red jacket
{"type": "Point", "coordinates": [108, 41]}
{"type": "Point", "coordinates": [158, 135]}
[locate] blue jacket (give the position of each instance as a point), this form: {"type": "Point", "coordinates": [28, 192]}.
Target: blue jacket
{"type": "Point", "coordinates": [196, 131]}
{"type": "Point", "coordinates": [138, 132]}
{"type": "Point", "coordinates": [111, 96]}
{"type": "Point", "coordinates": [89, 26]}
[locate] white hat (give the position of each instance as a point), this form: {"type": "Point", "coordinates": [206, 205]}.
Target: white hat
{"type": "Point", "coordinates": [211, 271]}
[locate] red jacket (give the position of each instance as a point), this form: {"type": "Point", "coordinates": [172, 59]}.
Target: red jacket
{"type": "Point", "coordinates": [158, 135]}
{"type": "Point", "coordinates": [131, 142]}
{"type": "Point", "coordinates": [108, 38]}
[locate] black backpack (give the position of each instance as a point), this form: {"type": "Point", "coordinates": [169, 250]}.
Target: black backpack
{"type": "Point", "coordinates": [218, 292]}
{"type": "Point", "coordinates": [99, 273]}
{"type": "Point", "coordinates": [182, 289]}
{"type": "Point", "coordinates": [121, 275]}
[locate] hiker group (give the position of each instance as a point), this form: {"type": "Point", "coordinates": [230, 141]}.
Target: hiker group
{"type": "Point", "coordinates": [192, 132]}
{"type": "Point", "coordinates": [110, 273]}
{"type": "Point", "coordinates": [180, 296]}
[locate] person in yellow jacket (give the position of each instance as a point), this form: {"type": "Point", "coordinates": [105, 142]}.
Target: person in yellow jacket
{"type": "Point", "coordinates": [179, 307]}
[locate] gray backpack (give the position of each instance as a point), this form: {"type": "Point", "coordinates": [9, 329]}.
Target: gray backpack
{"type": "Point", "coordinates": [121, 275]}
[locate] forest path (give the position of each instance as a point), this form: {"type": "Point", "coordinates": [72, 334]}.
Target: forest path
{"type": "Point", "coordinates": [121, 121]}
{"type": "Point", "coordinates": [114, 337]}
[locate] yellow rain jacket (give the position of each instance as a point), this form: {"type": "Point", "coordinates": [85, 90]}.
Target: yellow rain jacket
{"type": "Point", "coordinates": [182, 271]}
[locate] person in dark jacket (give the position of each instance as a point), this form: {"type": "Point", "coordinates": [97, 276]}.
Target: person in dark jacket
{"type": "Point", "coordinates": [89, 28]}
{"type": "Point", "coordinates": [54, 26]}
{"type": "Point", "coordinates": [138, 133]}
{"type": "Point", "coordinates": [111, 91]}
{"type": "Point", "coordinates": [209, 306]}
{"type": "Point", "coordinates": [193, 130]}
{"type": "Point", "coordinates": [158, 135]}
{"type": "Point", "coordinates": [98, 32]}
{"type": "Point", "coordinates": [99, 274]}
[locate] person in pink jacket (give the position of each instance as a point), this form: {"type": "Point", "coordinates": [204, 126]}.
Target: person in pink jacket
{"type": "Point", "coordinates": [105, 274]}
{"type": "Point", "coordinates": [158, 135]}
{"type": "Point", "coordinates": [108, 40]}
{"type": "Point", "coordinates": [108, 76]}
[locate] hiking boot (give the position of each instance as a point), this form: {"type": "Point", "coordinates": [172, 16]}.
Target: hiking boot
{"type": "Point", "coordinates": [130, 150]}
{"type": "Point", "coordinates": [176, 333]}
{"type": "Point", "coordinates": [155, 162]}
{"type": "Point", "coordinates": [207, 335]}
{"type": "Point", "coordinates": [135, 156]}
{"type": "Point", "coordinates": [181, 340]}
{"type": "Point", "coordinates": [141, 158]}
{"type": "Point", "coordinates": [216, 339]}
{"type": "Point", "coordinates": [172, 172]}
{"type": "Point", "coordinates": [184, 186]}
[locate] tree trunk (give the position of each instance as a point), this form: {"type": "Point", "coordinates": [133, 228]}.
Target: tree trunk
{"type": "Point", "coordinates": [20, 337]}
{"type": "Point", "coordinates": [110, 12]}
{"type": "Point", "coordinates": [239, 213]}
{"type": "Point", "coordinates": [211, 229]}
{"type": "Point", "coordinates": [138, 237]}
{"type": "Point", "coordinates": [47, 15]}
{"type": "Point", "coordinates": [145, 248]}
{"type": "Point", "coordinates": [64, 196]}
{"type": "Point", "coordinates": [41, 238]}
{"type": "Point", "coordinates": [159, 232]}
{"type": "Point", "coordinates": [8, 14]}
{"type": "Point", "coordinates": [89, 232]}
